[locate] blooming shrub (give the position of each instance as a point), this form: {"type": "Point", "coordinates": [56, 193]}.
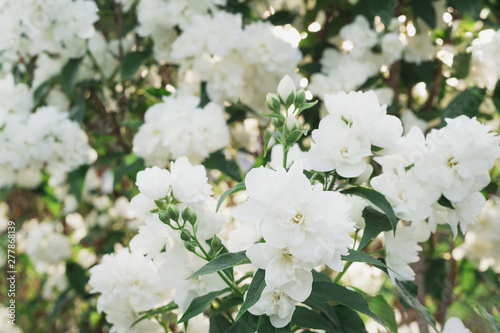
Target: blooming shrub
{"type": "Point", "coordinates": [249, 166]}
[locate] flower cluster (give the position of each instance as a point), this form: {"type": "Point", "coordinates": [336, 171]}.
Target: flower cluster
{"type": "Point", "coordinates": [33, 27]}
{"type": "Point", "coordinates": [303, 227]}
{"type": "Point", "coordinates": [349, 68]}
{"type": "Point", "coordinates": [452, 162]}
{"type": "Point", "coordinates": [193, 131]}
{"type": "Point", "coordinates": [42, 141]}
{"type": "Point", "coordinates": [356, 127]}
{"type": "Point", "coordinates": [183, 188]}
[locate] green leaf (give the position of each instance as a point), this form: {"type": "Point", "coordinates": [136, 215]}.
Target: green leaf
{"type": "Point", "coordinates": [77, 277]}
{"type": "Point", "coordinates": [327, 309]}
{"type": "Point", "coordinates": [308, 318]}
{"type": "Point", "coordinates": [247, 323]}
{"type": "Point", "coordinates": [332, 292]}
{"type": "Point", "coordinates": [68, 75]}
{"type": "Point", "coordinates": [158, 92]}
{"type": "Point", "coordinates": [377, 199]}
{"type": "Point", "coordinates": [467, 7]}
{"type": "Point", "coordinates": [294, 136]}
{"type": "Point", "coordinates": [358, 256]}
{"type": "Point", "coordinates": [379, 305]}
{"type": "Point", "coordinates": [375, 224]}
{"type": "Point", "coordinates": [198, 305]}
{"type": "Point", "coordinates": [238, 187]}
{"type": "Point", "coordinates": [407, 293]}
{"type": "Point", "coordinates": [218, 161]}
{"type": "Point", "coordinates": [349, 320]}
{"type": "Point", "coordinates": [265, 326]}
{"type": "Point", "coordinates": [425, 10]}
{"type": "Point", "coordinates": [443, 201]}
{"type": "Point", "coordinates": [76, 179]}
{"type": "Point", "coordinates": [461, 65]}
{"type": "Point", "coordinates": [466, 103]}
{"type": "Point", "coordinates": [254, 291]}
{"type": "Point", "coordinates": [77, 110]}
{"type": "Point", "coordinates": [41, 91]}
{"type": "Point", "coordinates": [219, 324]}
{"type": "Point", "coordinates": [306, 106]}
{"type": "Point", "coordinates": [131, 63]}
{"type": "Point", "coordinates": [204, 98]}
{"type": "Point", "coordinates": [490, 320]}
{"type": "Point", "coordinates": [169, 307]}
{"type": "Point", "coordinates": [371, 8]}
{"type": "Point", "coordinates": [221, 262]}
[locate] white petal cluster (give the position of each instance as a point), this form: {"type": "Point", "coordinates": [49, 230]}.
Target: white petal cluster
{"type": "Point", "coordinates": [31, 27]}
{"type": "Point", "coordinates": [218, 50]}
{"type": "Point", "coordinates": [303, 227]}
{"type": "Point", "coordinates": [42, 141]}
{"type": "Point", "coordinates": [178, 127]}
{"type": "Point", "coordinates": [16, 98]}
{"type": "Point", "coordinates": [175, 266]}
{"type": "Point", "coordinates": [128, 284]}
{"type": "Point", "coordinates": [452, 161]}
{"type": "Point", "coordinates": [46, 246]}
{"type": "Point", "coordinates": [485, 67]}
{"type": "Point", "coordinates": [419, 48]}
{"type": "Point", "coordinates": [483, 240]}
{"type": "Point", "coordinates": [158, 19]}
{"type": "Point", "coordinates": [349, 68]}
{"type": "Point", "coordinates": [356, 122]}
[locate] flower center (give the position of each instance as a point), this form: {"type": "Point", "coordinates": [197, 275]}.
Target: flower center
{"type": "Point", "coordinates": [452, 162]}
{"type": "Point", "coordinates": [298, 218]}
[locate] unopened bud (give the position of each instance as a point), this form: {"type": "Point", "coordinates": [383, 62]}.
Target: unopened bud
{"type": "Point", "coordinates": [163, 216]}
{"type": "Point", "coordinates": [216, 243]}
{"type": "Point", "coordinates": [189, 215]}
{"type": "Point", "coordinates": [173, 212]}
{"type": "Point", "coordinates": [185, 235]}
{"type": "Point", "coordinates": [273, 103]}
{"type": "Point", "coordinates": [286, 90]}
{"type": "Point", "coordinates": [190, 246]}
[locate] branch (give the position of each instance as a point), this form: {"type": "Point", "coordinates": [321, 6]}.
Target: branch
{"type": "Point", "coordinates": [436, 84]}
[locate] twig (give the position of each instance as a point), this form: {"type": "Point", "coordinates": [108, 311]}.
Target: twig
{"type": "Point", "coordinates": [436, 84]}
{"type": "Point", "coordinates": [419, 268]}
{"type": "Point", "coordinates": [115, 126]}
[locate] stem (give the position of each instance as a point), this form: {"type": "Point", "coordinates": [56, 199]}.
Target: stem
{"type": "Point", "coordinates": [355, 238]}
{"type": "Point", "coordinates": [339, 276]}
{"type": "Point", "coordinates": [332, 182]}
{"type": "Point", "coordinates": [221, 274]}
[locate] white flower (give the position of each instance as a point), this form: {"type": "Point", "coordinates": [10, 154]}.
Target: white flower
{"type": "Point", "coordinates": [286, 88]}
{"type": "Point", "coordinates": [419, 48]}
{"type": "Point", "coordinates": [177, 127]}
{"type": "Point", "coordinates": [283, 270]}
{"type": "Point", "coordinates": [359, 33]}
{"type": "Point", "coordinates": [392, 47]}
{"type": "Point", "coordinates": [311, 223]}
{"type": "Point", "coordinates": [45, 246]}
{"type": "Point", "coordinates": [185, 263]}
{"type": "Point", "coordinates": [129, 276]}
{"type": "Point", "coordinates": [358, 204]}
{"type": "Point", "coordinates": [363, 112]}
{"type": "Point", "coordinates": [401, 250]}
{"type": "Point", "coordinates": [339, 147]}
{"type": "Point", "coordinates": [154, 182]}
{"type": "Point", "coordinates": [454, 325]}
{"type": "Point", "coordinates": [189, 183]}
{"type": "Point", "coordinates": [276, 304]}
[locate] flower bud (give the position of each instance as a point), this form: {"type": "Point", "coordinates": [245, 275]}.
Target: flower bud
{"type": "Point", "coordinates": [190, 246]}
{"type": "Point", "coordinates": [163, 216]}
{"type": "Point", "coordinates": [189, 215]}
{"type": "Point", "coordinates": [291, 123]}
{"type": "Point", "coordinates": [286, 90]}
{"type": "Point", "coordinates": [300, 99]}
{"type": "Point", "coordinates": [185, 235]}
{"type": "Point", "coordinates": [273, 103]}
{"type": "Point", "coordinates": [216, 243]}
{"type": "Point", "coordinates": [173, 212]}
